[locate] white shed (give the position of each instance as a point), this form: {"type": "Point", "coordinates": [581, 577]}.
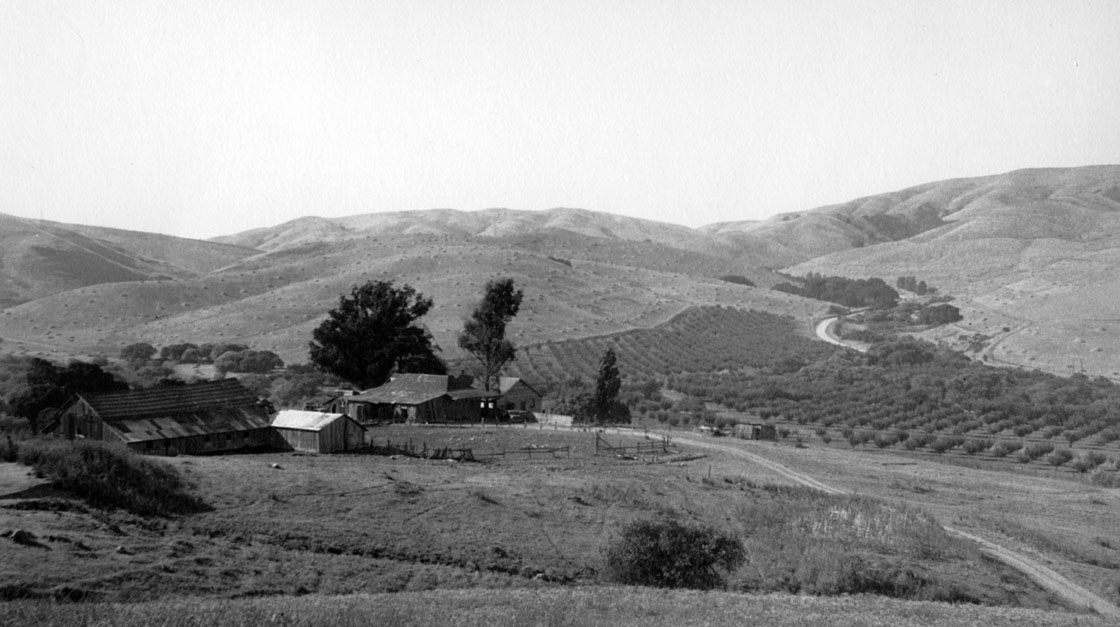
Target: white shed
{"type": "Point", "coordinates": [316, 432]}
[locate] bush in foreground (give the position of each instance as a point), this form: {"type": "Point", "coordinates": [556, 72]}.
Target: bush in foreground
{"type": "Point", "coordinates": [668, 554]}
{"type": "Point", "coordinates": [109, 475]}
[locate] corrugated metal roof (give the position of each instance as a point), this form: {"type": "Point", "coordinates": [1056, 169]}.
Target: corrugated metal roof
{"type": "Point", "coordinates": [180, 425]}
{"type": "Point", "coordinates": [405, 389]}
{"type": "Point", "coordinates": [171, 400]}
{"type": "Point", "coordinates": [304, 420]}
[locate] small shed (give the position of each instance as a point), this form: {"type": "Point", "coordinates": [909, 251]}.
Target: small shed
{"type": "Point", "coordinates": [316, 432]}
{"type": "Point", "coordinates": [516, 394]}
{"type": "Point", "coordinates": [757, 431]}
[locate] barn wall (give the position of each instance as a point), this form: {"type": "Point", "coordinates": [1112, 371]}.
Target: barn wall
{"type": "Point", "coordinates": [520, 397]}
{"type": "Point", "coordinates": [202, 444]}
{"type": "Point", "coordinates": [298, 440]}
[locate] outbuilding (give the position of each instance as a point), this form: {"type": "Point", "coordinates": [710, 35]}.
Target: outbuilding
{"type": "Point", "coordinates": [420, 398]}
{"type": "Point", "coordinates": [517, 395]}
{"type": "Point", "coordinates": [316, 432]}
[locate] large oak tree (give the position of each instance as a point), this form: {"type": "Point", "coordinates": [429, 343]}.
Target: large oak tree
{"type": "Point", "coordinates": [373, 333]}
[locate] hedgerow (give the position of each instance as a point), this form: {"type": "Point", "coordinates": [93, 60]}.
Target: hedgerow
{"type": "Point", "coordinates": [109, 475]}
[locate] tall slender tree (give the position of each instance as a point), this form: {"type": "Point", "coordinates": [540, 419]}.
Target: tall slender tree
{"type": "Point", "coordinates": [374, 332]}
{"type": "Point", "coordinates": [602, 405]}
{"type": "Point", "coordinates": [484, 333]}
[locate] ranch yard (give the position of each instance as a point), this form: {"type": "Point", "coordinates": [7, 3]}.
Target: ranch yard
{"type": "Point", "coordinates": [534, 513]}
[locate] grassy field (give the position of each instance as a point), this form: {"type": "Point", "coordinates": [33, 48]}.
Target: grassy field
{"type": "Point", "coordinates": [518, 539]}
{"type": "Point", "coordinates": [616, 607]}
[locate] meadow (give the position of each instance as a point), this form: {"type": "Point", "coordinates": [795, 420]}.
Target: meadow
{"type": "Point", "coordinates": [517, 539]}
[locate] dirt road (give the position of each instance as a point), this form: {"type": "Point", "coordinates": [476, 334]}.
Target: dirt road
{"type": "Point", "coordinates": [1043, 576]}
{"type": "Point", "coordinates": [824, 332]}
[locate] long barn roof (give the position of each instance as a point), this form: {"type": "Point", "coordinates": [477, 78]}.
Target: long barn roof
{"type": "Point", "coordinates": [171, 400]}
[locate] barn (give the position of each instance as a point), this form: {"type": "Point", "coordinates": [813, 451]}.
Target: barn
{"type": "Point", "coordinates": [316, 432]}
{"type": "Point", "coordinates": [205, 417]}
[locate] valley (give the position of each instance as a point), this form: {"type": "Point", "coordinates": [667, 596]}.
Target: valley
{"type": "Point", "coordinates": [973, 444]}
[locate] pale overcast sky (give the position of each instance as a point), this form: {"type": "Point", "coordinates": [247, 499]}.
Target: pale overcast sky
{"type": "Point", "coordinates": [201, 118]}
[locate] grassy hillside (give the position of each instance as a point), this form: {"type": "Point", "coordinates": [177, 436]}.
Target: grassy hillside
{"type": "Point", "coordinates": [1031, 256]}
{"type": "Point", "coordinates": [39, 258]}
{"type": "Point", "coordinates": [575, 286]}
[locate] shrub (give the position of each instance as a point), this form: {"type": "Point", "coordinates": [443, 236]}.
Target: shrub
{"type": "Point", "coordinates": [1059, 457]}
{"type": "Point", "coordinates": [667, 554]}
{"type": "Point", "coordinates": [1003, 449]}
{"type": "Point", "coordinates": [109, 475]}
{"type": "Point", "coordinates": [9, 450]}
{"type": "Point", "coordinates": [1105, 478]}
{"type": "Point", "coordinates": [944, 443]}
{"type": "Point", "coordinates": [1036, 450]}
{"type": "Point", "coordinates": [973, 447]}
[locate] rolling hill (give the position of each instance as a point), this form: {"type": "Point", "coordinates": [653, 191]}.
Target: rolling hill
{"type": "Point", "coordinates": [1030, 257]}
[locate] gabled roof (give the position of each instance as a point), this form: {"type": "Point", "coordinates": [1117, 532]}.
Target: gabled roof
{"type": "Point", "coordinates": [305, 420]}
{"type": "Point", "coordinates": [505, 384]}
{"type": "Point", "coordinates": [405, 389]}
{"type": "Point", "coordinates": [171, 400]}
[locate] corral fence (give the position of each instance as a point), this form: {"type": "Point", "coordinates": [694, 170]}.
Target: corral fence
{"type": "Point", "coordinates": [423, 451]}
{"type": "Point", "coordinates": [529, 451]}
{"type": "Point", "coordinates": [653, 446]}
{"type": "Point", "coordinates": [410, 449]}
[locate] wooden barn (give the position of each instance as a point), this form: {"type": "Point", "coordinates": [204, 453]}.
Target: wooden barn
{"type": "Point", "coordinates": [316, 432]}
{"type": "Point", "coordinates": [192, 419]}
{"type": "Point", "coordinates": [518, 395]}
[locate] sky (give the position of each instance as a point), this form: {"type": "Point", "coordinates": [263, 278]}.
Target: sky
{"type": "Point", "coordinates": [201, 118]}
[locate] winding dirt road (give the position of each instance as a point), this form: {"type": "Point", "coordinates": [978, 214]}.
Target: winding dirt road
{"type": "Point", "coordinates": [824, 332]}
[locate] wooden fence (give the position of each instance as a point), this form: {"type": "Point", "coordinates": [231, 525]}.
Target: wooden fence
{"type": "Point", "coordinates": [655, 446]}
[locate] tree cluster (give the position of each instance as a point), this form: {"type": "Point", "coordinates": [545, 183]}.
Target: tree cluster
{"type": "Point", "coordinates": [46, 385]}
{"type": "Point", "coordinates": [855, 293]}
{"type": "Point", "coordinates": [912, 284]}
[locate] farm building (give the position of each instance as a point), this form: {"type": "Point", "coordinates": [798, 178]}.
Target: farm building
{"type": "Point", "coordinates": [759, 431]}
{"type": "Point", "coordinates": [418, 398]}
{"type": "Point", "coordinates": [199, 418]}
{"type": "Point", "coordinates": [316, 432]}
{"type": "Point", "coordinates": [518, 395]}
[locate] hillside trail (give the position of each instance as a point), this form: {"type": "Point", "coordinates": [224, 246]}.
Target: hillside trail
{"type": "Point", "coordinates": [1045, 577]}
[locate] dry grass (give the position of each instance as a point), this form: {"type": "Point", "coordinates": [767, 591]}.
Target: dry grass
{"type": "Point", "coordinates": [346, 524]}
{"type": "Point", "coordinates": [616, 607]}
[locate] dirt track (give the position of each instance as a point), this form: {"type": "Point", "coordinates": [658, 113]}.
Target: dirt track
{"type": "Point", "coordinates": [1043, 576]}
